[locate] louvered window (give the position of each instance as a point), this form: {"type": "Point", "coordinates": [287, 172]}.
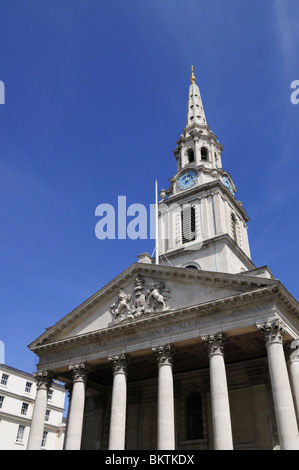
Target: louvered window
{"type": "Point", "coordinates": [188, 224]}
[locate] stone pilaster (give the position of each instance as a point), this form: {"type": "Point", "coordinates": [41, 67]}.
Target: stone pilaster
{"type": "Point", "coordinates": [44, 380]}
{"type": "Point", "coordinates": [282, 396]}
{"type": "Point", "coordinates": [166, 429]}
{"type": "Point", "coordinates": [222, 430]}
{"type": "Point", "coordinates": [117, 432]}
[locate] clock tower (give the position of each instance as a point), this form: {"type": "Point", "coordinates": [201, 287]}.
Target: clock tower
{"type": "Point", "coordinates": [201, 223]}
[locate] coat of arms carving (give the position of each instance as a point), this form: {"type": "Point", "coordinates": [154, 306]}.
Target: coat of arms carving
{"type": "Point", "coordinates": [143, 300]}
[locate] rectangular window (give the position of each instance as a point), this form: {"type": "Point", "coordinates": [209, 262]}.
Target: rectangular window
{"type": "Point", "coordinates": [24, 408]}
{"type": "Point", "coordinates": [47, 415]}
{"type": "Point", "coordinates": [4, 379]}
{"type": "Point", "coordinates": [28, 387]}
{"type": "Point", "coordinates": [1, 401]}
{"type": "Point", "coordinates": [188, 224]}
{"type": "Point", "coordinates": [20, 434]}
{"type": "Point", "coordinates": [44, 439]}
{"type": "Point", "coordinates": [50, 395]}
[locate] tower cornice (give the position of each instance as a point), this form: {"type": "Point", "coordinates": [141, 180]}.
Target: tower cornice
{"type": "Point", "coordinates": [203, 190]}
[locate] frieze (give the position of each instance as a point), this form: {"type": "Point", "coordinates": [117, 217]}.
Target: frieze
{"type": "Point", "coordinates": [142, 301]}
{"type": "Point", "coordinates": [110, 339]}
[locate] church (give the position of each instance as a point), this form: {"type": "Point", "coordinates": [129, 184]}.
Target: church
{"type": "Point", "coordinates": [193, 349]}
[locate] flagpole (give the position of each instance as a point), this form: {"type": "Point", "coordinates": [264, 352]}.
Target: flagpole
{"type": "Point", "coordinates": [157, 229]}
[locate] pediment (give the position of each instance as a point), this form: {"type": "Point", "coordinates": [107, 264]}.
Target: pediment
{"type": "Point", "coordinates": [145, 290]}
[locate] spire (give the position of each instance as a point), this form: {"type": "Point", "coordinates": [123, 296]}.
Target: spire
{"type": "Point", "coordinates": [195, 112]}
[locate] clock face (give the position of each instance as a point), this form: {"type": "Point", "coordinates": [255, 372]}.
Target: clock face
{"type": "Point", "coordinates": [227, 183]}
{"type": "Point", "coordinates": [187, 180]}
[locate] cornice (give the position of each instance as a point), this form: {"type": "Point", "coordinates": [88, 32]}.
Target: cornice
{"type": "Point", "coordinates": [214, 240]}
{"type": "Point", "coordinates": [207, 308]}
{"type": "Point", "coordinates": [203, 190]}
{"type": "Point", "coordinates": [166, 272]}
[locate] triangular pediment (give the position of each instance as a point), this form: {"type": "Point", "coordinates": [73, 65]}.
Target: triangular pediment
{"type": "Point", "coordinates": [144, 291]}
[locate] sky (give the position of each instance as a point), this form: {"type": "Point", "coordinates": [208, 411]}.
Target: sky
{"type": "Point", "coordinates": [95, 100]}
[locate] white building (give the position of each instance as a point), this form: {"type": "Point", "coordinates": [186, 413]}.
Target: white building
{"type": "Point", "coordinates": [17, 397]}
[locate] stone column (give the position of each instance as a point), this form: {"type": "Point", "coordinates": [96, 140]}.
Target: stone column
{"type": "Point", "coordinates": [166, 433]}
{"type": "Point", "coordinates": [76, 411]}
{"type": "Point", "coordinates": [222, 429]}
{"type": "Point", "coordinates": [39, 411]}
{"type": "Point", "coordinates": [117, 432]}
{"type": "Point", "coordinates": [294, 374]}
{"type": "Point", "coordinates": [282, 395]}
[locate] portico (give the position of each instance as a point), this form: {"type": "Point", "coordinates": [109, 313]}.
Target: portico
{"type": "Point", "coordinates": [131, 381]}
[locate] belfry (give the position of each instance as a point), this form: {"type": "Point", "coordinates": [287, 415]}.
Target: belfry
{"type": "Point", "coordinates": [198, 351]}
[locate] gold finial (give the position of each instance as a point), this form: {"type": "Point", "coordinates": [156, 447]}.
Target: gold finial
{"type": "Point", "coordinates": [192, 75]}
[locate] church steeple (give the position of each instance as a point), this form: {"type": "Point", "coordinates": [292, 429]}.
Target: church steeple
{"type": "Point", "coordinates": [202, 224]}
{"type": "Point", "coordinates": [195, 111]}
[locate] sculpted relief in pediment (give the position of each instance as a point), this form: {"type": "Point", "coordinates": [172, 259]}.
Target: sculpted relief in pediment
{"type": "Point", "coordinates": [142, 300]}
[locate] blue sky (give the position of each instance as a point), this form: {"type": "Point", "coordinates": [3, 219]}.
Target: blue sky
{"type": "Point", "coordinates": [95, 100]}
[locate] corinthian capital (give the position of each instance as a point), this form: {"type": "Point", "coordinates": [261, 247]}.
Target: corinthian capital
{"type": "Point", "coordinates": [79, 372]}
{"type": "Point", "coordinates": [272, 331]}
{"type": "Point", "coordinates": [119, 363]}
{"type": "Point", "coordinates": [43, 379]}
{"type": "Point", "coordinates": [294, 356]}
{"type": "Point", "coordinates": [164, 354]}
{"type": "Point", "coordinates": [214, 342]}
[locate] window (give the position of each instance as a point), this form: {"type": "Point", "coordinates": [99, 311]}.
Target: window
{"type": "Point", "coordinates": [1, 401]}
{"type": "Point", "coordinates": [204, 154]}
{"type": "Point", "coordinates": [50, 395]}
{"type": "Point", "coordinates": [20, 434]}
{"type": "Point", "coordinates": [194, 425]}
{"type": "Point", "coordinates": [191, 266]}
{"type": "Point", "coordinates": [24, 408]}
{"type": "Point", "coordinates": [190, 155]}
{"type": "Point", "coordinates": [188, 224]}
{"type": "Point", "coordinates": [4, 379]}
{"type": "Point", "coordinates": [47, 415]}
{"type": "Point", "coordinates": [28, 387]}
{"type": "Point", "coordinates": [44, 439]}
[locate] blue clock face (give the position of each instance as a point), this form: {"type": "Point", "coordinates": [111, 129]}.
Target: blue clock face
{"type": "Point", "coordinates": [227, 183]}
{"type": "Point", "coordinates": [187, 180]}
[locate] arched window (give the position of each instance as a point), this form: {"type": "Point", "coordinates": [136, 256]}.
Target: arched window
{"type": "Point", "coordinates": [188, 224]}
{"type": "Point", "coordinates": [204, 154]}
{"type": "Point", "coordinates": [194, 425]}
{"type": "Point", "coordinates": [190, 154]}
{"type": "Point", "coordinates": [191, 266]}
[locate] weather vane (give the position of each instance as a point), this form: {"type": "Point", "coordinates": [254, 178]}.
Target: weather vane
{"type": "Point", "coordinates": [192, 75]}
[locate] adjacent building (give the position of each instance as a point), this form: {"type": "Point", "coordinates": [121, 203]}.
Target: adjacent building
{"type": "Point", "coordinates": [196, 348]}
{"type": "Point", "coordinates": [17, 399]}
